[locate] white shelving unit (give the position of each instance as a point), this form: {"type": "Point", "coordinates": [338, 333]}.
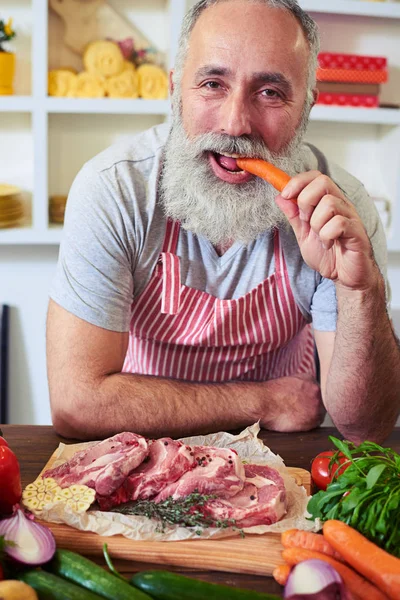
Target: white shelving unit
{"type": "Point", "coordinates": [388, 10]}
{"type": "Point", "coordinates": [70, 115]}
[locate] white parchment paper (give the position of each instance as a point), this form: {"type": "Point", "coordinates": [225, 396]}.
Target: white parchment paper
{"type": "Point", "coordinates": [250, 449]}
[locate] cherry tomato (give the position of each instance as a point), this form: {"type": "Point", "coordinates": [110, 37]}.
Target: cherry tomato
{"type": "Point", "coordinates": [1, 573]}
{"type": "Point", "coordinates": [320, 472]}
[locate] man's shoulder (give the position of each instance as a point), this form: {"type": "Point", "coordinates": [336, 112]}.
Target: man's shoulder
{"type": "Point", "coordinates": [140, 150]}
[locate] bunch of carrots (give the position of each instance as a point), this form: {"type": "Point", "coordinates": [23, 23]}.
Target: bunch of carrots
{"type": "Point", "coordinates": [367, 571]}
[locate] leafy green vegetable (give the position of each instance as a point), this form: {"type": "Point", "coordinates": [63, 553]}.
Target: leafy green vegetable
{"type": "Point", "coordinates": [366, 496]}
{"type": "Point", "coordinates": [185, 511]}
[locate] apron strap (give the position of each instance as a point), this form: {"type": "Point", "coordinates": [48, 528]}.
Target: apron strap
{"type": "Point", "coordinates": [171, 236]}
{"type": "Point", "coordinates": [278, 256]}
{"type": "Point", "coordinates": [171, 283]}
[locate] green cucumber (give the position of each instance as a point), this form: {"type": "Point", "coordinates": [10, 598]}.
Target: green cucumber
{"type": "Point", "coordinates": [163, 585]}
{"type": "Point", "coordinates": [91, 576]}
{"type": "Point", "coordinates": [51, 587]}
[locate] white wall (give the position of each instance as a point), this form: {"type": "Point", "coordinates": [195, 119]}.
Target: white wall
{"type": "Point", "coordinates": [25, 276]}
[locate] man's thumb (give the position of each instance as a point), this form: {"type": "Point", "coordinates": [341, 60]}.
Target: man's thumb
{"type": "Point", "coordinates": [291, 210]}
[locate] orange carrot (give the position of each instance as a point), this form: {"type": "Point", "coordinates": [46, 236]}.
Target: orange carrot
{"type": "Point", "coordinates": [357, 585]}
{"type": "Point", "coordinates": [298, 538]}
{"type": "Point", "coordinates": [265, 170]}
{"type": "Point", "coordinates": [367, 558]}
{"type": "Point", "coordinates": [281, 574]}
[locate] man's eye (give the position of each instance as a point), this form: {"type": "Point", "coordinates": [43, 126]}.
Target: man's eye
{"type": "Point", "coordinates": [271, 93]}
{"type": "Point", "coordinates": [213, 85]}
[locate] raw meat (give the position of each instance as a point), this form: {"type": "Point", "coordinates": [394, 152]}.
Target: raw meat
{"type": "Point", "coordinates": [218, 471]}
{"type": "Point", "coordinates": [262, 500]}
{"type": "Point", "coordinates": [166, 462]}
{"type": "Point", "coordinates": [103, 466]}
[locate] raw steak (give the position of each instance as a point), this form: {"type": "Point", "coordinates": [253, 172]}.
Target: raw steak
{"type": "Point", "coordinates": [262, 500]}
{"type": "Point", "coordinates": [218, 471]}
{"type": "Point", "coordinates": [167, 461]}
{"type": "Point", "coordinates": [103, 466]}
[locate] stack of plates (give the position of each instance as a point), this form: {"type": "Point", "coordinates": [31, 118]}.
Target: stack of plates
{"type": "Point", "coordinates": [57, 209]}
{"type": "Point", "coordinates": [11, 206]}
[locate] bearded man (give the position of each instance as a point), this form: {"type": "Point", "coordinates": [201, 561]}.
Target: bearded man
{"type": "Point", "coordinates": [188, 294]}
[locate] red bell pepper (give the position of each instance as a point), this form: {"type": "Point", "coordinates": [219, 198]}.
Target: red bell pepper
{"type": "Point", "coordinates": [10, 480]}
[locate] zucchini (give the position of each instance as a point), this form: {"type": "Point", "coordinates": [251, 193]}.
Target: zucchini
{"type": "Point", "coordinates": [91, 576]}
{"type": "Point", "coordinates": [51, 587]}
{"type": "Point", "coordinates": [163, 585]}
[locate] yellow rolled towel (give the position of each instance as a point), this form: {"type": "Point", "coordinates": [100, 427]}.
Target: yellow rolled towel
{"type": "Point", "coordinates": [103, 58]}
{"type": "Point", "coordinates": [60, 81]}
{"type": "Point", "coordinates": [153, 82]}
{"type": "Point", "coordinates": [87, 85]}
{"type": "Point", "coordinates": [124, 85]}
{"type": "Point", "coordinates": [129, 66]}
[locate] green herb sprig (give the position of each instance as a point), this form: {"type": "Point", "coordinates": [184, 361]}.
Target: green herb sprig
{"type": "Point", "coordinates": [185, 511]}
{"type": "Point", "coordinates": [366, 496]}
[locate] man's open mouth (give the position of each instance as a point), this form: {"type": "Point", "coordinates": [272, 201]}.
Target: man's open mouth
{"type": "Point", "coordinates": [227, 162]}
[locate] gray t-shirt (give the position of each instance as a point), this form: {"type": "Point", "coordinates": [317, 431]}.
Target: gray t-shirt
{"type": "Point", "coordinates": [114, 229]}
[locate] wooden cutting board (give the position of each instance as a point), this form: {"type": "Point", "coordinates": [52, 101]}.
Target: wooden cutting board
{"type": "Point", "coordinates": [90, 20]}
{"type": "Point", "coordinates": [253, 554]}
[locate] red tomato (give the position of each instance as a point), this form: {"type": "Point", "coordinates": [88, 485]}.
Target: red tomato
{"type": "Point", "coordinates": [320, 472]}
{"type": "Point", "coordinates": [1, 573]}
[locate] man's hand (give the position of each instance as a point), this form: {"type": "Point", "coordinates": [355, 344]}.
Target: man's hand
{"type": "Point", "coordinates": [330, 234]}
{"type": "Point", "coordinates": [297, 404]}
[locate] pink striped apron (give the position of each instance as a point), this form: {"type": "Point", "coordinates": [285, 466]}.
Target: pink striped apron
{"type": "Point", "coordinates": [183, 333]}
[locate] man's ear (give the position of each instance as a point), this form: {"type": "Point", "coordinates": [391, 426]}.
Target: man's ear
{"type": "Point", "coordinates": [171, 82]}
{"type": "Point", "coordinates": [315, 95]}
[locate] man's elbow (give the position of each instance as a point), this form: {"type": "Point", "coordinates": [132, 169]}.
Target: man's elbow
{"type": "Point", "coordinates": [69, 420]}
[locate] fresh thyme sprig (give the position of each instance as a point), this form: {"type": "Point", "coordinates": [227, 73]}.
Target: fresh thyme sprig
{"type": "Point", "coordinates": [185, 511]}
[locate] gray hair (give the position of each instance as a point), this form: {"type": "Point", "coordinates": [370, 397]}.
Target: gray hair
{"type": "Point", "coordinates": [308, 26]}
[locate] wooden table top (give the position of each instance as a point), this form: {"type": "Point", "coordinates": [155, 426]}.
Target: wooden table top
{"type": "Point", "coordinates": [34, 444]}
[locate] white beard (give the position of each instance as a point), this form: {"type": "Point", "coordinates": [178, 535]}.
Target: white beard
{"type": "Point", "coordinates": [207, 206]}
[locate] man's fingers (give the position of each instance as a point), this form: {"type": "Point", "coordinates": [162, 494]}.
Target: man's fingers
{"type": "Point", "coordinates": [298, 183]}
{"type": "Point", "coordinates": [328, 207]}
{"type": "Point", "coordinates": [340, 227]}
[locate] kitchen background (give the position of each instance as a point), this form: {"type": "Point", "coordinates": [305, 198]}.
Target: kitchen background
{"type": "Point", "coordinates": [46, 139]}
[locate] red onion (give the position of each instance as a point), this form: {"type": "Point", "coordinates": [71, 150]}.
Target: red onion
{"type": "Point", "coordinates": [315, 579]}
{"type": "Point", "coordinates": [32, 544]}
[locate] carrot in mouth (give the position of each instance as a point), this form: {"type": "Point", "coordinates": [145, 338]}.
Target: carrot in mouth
{"type": "Point", "coordinates": [265, 170]}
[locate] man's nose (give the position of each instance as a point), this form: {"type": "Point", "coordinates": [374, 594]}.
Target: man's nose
{"type": "Point", "coordinates": [235, 116]}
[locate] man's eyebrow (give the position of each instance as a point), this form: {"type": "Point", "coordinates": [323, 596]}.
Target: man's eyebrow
{"type": "Point", "coordinates": [212, 70]}
{"type": "Point", "coordinates": [271, 77]}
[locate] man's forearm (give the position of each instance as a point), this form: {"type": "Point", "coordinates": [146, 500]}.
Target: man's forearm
{"type": "Point", "coordinates": [362, 392]}
{"type": "Point", "coordinates": [155, 406]}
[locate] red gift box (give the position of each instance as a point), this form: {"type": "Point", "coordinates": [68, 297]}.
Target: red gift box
{"type": "Point", "coordinates": [357, 100]}
{"type": "Point", "coordinates": [333, 60]}
{"type": "Point", "coordinates": [351, 75]}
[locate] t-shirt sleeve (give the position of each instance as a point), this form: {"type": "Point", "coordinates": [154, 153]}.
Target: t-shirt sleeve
{"type": "Point", "coordinates": [324, 304]}
{"type": "Point", "coordinates": [93, 278]}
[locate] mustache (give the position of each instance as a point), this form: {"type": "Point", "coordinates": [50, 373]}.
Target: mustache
{"type": "Point", "coordinates": [249, 146]}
